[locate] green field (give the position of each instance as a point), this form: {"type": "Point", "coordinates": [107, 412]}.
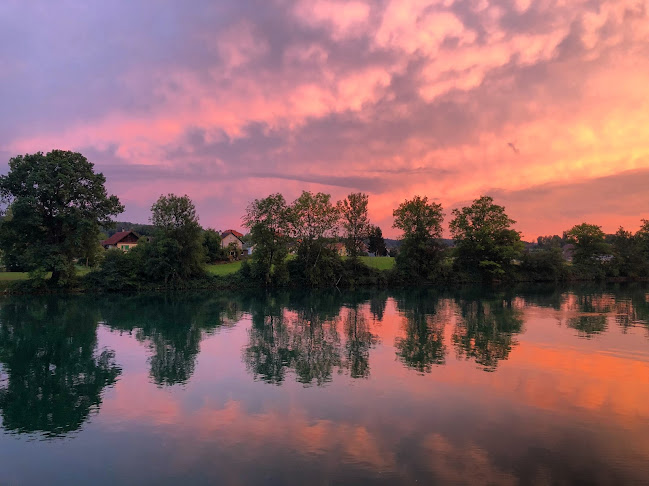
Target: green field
{"type": "Point", "coordinates": [380, 263]}
{"type": "Point", "coordinates": [13, 276]}
{"type": "Point", "coordinates": [224, 268]}
{"type": "Point", "coordinates": [9, 276]}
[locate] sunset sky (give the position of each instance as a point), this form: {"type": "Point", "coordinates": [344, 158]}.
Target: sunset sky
{"type": "Point", "coordinates": [542, 104]}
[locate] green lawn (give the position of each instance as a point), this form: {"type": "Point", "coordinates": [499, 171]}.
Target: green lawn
{"type": "Point", "coordinates": [224, 268]}
{"type": "Point", "coordinates": [8, 276]}
{"type": "Point", "coordinates": [380, 263]}
{"type": "Point", "coordinates": [13, 276]}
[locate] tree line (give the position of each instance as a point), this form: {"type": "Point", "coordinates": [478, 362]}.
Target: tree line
{"type": "Point", "coordinates": [56, 207]}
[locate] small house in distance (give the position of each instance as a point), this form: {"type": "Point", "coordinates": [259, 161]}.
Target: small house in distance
{"type": "Point", "coordinates": [231, 236]}
{"type": "Point", "coordinates": [124, 240]}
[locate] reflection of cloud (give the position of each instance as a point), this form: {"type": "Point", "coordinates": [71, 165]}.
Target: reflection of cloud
{"type": "Point", "coordinates": [465, 464]}
{"type": "Point", "coordinates": [394, 98]}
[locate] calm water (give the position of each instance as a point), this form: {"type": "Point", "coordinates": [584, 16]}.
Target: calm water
{"type": "Point", "coordinates": [534, 386]}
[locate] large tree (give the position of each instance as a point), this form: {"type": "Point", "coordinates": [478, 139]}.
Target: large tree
{"type": "Point", "coordinates": [177, 251]}
{"type": "Point", "coordinates": [589, 241]}
{"type": "Point", "coordinates": [314, 226]}
{"type": "Point", "coordinates": [484, 238]}
{"type": "Point", "coordinates": [212, 245]}
{"type": "Point", "coordinates": [56, 205]}
{"type": "Point", "coordinates": [376, 243]}
{"type": "Point", "coordinates": [268, 222]}
{"type": "Point", "coordinates": [356, 222]}
{"type": "Point", "coordinates": [421, 223]}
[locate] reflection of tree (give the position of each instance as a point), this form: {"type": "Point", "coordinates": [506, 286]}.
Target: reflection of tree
{"type": "Point", "coordinates": [632, 309]}
{"type": "Point", "coordinates": [300, 332]}
{"type": "Point", "coordinates": [423, 346]}
{"type": "Point", "coordinates": [268, 353]}
{"type": "Point", "coordinates": [55, 375]}
{"type": "Point", "coordinates": [486, 330]}
{"type": "Point", "coordinates": [378, 302]}
{"type": "Point", "coordinates": [588, 325]}
{"type": "Point", "coordinates": [172, 326]}
{"type": "Point", "coordinates": [359, 341]}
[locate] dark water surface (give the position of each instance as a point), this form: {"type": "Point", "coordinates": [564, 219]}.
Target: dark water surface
{"type": "Point", "coordinates": [530, 386]}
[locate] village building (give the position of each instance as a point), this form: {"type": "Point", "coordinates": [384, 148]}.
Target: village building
{"type": "Point", "coordinates": [123, 240]}
{"type": "Point", "coordinates": [231, 236]}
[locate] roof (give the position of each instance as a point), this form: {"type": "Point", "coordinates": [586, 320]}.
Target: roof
{"type": "Point", "coordinates": [231, 232]}
{"type": "Point", "coordinates": [117, 237]}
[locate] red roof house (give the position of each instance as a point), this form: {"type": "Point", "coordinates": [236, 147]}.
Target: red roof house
{"type": "Point", "coordinates": [124, 240]}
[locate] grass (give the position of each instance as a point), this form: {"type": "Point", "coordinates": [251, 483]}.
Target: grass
{"type": "Point", "coordinates": [11, 276]}
{"type": "Point", "coordinates": [380, 263]}
{"type": "Point", "coordinates": [15, 276]}
{"type": "Point", "coordinates": [223, 269]}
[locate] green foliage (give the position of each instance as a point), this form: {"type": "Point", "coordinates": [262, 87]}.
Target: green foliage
{"type": "Point", "coordinates": [421, 253]}
{"type": "Point", "coordinates": [119, 271]}
{"type": "Point", "coordinates": [212, 246]}
{"type": "Point", "coordinates": [376, 243]}
{"type": "Point", "coordinates": [313, 221]}
{"type": "Point", "coordinates": [176, 253]}
{"type": "Point", "coordinates": [485, 243]}
{"type": "Point", "coordinates": [589, 241]}
{"type": "Point", "coordinates": [356, 223]}
{"type": "Point", "coordinates": [546, 264]}
{"type": "Point", "coordinates": [268, 222]}
{"type": "Point", "coordinates": [57, 205]}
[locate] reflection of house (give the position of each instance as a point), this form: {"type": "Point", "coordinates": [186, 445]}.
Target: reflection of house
{"type": "Point", "coordinates": [124, 240]}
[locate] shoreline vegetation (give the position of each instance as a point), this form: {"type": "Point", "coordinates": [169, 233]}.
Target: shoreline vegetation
{"type": "Point", "coordinates": [56, 211]}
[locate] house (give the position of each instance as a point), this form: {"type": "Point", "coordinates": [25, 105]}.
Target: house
{"type": "Point", "coordinates": [248, 249]}
{"type": "Point", "coordinates": [124, 240]}
{"type": "Point", "coordinates": [339, 248]}
{"type": "Point", "coordinates": [231, 236]}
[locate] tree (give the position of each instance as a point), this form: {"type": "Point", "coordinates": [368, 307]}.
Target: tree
{"type": "Point", "coordinates": [589, 241]}
{"type": "Point", "coordinates": [212, 245]}
{"type": "Point", "coordinates": [356, 222]}
{"type": "Point", "coordinates": [313, 218]}
{"type": "Point", "coordinates": [56, 207]}
{"type": "Point", "coordinates": [177, 251]}
{"type": "Point", "coordinates": [421, 252]}
{"type": "Point", "coordinates": [376, 243]}
{"type": "Point", "coordinates": [314, 223]}
{"type": "Point", "coordinates": [268, 222]}
{"type": "Point", "coordinates": [642, 239]}
{"type": "Point", "coordinates": [484, 239]}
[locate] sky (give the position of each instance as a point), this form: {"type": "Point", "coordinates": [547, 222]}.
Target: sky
{"type": "Point", "coordinates": [542, 104]}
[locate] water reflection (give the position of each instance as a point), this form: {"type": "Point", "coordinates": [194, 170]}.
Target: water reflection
{"type": "Point", "coordinates": [55, 374]}
{"type": "Point", "coordinates": [423, 344]}
{"type": "Point", "coordinates": [487, 329]}
{"type": "Point", "coordinates": [172, 327]}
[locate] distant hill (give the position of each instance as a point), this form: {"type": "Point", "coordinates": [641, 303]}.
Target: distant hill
{"type": "Point", "coordinates": [140, 229]}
